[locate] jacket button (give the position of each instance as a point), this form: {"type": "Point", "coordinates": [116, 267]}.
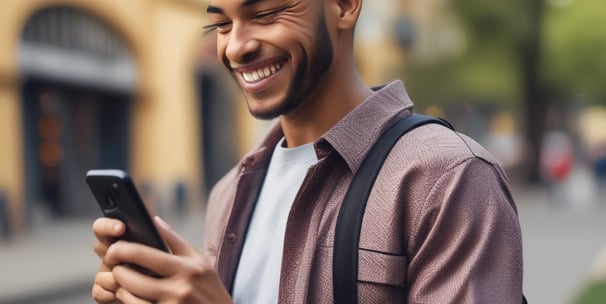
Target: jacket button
{"type": "Point", "coordinates": [231, 238]}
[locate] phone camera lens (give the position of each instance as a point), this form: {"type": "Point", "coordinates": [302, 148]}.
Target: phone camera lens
{"type": "Point", "coordinates": [110, 199]}
{"type": "Point", "coordinates": [111, 202]}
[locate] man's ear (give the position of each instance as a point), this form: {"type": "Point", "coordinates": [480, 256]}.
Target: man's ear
{"type": "Point", "coordinates": [349, 11]}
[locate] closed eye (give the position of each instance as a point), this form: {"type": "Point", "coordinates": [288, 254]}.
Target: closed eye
{"type": "Point", "coordinates": [219, 25]}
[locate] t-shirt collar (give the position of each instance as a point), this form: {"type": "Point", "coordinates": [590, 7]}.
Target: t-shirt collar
{"type": "Point", "coordinates": [353, 136]}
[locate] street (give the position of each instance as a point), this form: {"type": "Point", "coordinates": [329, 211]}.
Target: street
{"type": "Point", "coordinates": [560, 246]}
{"type": "Point", "coordinates": [563, 233]}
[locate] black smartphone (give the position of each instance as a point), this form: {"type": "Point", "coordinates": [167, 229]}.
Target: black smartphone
{"type": "Point", "coordinates": [118, 198]}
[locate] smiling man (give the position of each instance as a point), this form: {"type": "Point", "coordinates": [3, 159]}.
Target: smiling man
{"type": "Point", "coordinates": [440, 225]}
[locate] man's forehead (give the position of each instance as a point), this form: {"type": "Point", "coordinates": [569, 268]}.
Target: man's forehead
{"type": "Point", "coordinates": [239, 3]}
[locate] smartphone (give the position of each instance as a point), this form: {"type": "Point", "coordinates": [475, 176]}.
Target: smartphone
{"type": "Point", "coordinates": [118, 198]}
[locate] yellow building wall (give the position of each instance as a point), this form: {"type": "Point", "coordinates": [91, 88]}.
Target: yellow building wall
{"type": "Point", "coordinates": [11, 160]}
{"type": "Point", "coordinates": [162, 35]}
{"type": "Point", "coordinates": [167, 148]}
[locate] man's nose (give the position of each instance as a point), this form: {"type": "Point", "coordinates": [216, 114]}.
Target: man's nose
{"type": "Point", "coordinates": [241, 45]}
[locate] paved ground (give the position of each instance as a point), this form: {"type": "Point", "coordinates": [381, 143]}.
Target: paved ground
{"type": "Point", "coordinates": [561, 244]}
{"type": "Point", "coordinates": [563, 234]}
{"type": "Point", "coordinates": [55, 263]}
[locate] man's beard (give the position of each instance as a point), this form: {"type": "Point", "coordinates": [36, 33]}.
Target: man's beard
{"type": "Point", "coordinates": [305, 81]}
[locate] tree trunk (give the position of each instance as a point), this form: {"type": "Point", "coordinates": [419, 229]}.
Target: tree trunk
{"type": "Point", "coordinates": [534, 99]}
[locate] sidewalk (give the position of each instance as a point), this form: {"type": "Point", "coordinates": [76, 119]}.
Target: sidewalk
{"type": "Point", "coordinates": [561, 242]}
{"type": "Point", "coordinates": [56, 258]}
{"type": "Point", "coordinates": [561, 245]}
{"type": "Point", "coordinates": [563, 237]}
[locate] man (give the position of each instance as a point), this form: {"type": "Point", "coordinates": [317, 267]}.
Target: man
{"type": "Point", "coordinates": [440, 224]}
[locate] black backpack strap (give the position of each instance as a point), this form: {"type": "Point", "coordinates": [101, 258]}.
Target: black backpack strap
{"type": "Point", "coordinates": [349, 221]}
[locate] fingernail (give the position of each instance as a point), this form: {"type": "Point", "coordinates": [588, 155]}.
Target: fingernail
{"type": "Point", "coordinates": [164, 224]}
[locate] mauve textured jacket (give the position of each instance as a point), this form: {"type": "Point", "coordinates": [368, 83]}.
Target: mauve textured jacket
{"type": "Point", "coordinates": [440, 225]}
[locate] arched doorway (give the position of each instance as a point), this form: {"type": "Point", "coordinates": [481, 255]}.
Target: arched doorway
{"type": "Point", "coordinates": [78, 82]}
{"type": "Point", "coordinates": [217, 113]}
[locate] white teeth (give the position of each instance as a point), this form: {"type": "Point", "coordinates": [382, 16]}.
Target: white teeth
{"type": "Point", "coordinates": [261, 73]}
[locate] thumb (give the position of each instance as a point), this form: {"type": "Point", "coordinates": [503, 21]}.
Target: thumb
{"type": "Point", "coordinates": [176, 243]}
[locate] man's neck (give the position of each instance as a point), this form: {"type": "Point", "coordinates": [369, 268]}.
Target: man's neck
{"type": "Point", "coordinates": [324, 109]}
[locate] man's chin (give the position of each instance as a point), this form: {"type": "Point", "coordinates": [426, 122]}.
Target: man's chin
{"type": "Point", "coordinates": [264, 108]}
{"type": "Point", "coordinates": [271, 106]}
{"type": "Point", "coordinates": [264, 114]}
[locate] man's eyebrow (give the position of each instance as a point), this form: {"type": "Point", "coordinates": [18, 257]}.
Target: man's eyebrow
{"type": "Point", "coordinates": [250, 2]}
{"type": "Point", "coordinates": [214, 10]}
{"type": "Point", "coordinates": [211, 9]}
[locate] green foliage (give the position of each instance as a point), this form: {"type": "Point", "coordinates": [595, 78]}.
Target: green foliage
{"type": "Point", "coordinates": [488, 70]}
{"type": "Point", "coordinates": [592, 294]}
{"type": "Point", "coordinates": [477, 77]}
{"type": "Point", "coordinates": [575, 49]}
{"type": "Point", "coordinates": [489, 23]}
{"type": "Point", "coordinates": [572, 54]}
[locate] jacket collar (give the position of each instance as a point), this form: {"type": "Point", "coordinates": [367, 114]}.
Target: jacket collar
{"type": "Point", "coordinates": [357, 132]}
{"type": "Point", "coordinates": [353, 136]}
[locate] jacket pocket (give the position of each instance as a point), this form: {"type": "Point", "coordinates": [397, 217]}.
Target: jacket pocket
{"type": "Point", "coordinates": [382, 268]}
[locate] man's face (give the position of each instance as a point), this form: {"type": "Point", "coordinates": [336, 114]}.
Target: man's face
{"type": "Point", "coordinates": [277, 50]}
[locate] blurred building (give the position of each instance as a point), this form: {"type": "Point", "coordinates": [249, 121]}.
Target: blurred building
{"type": "Point", "coordinates": [134, 85]}
{"type": "Point", "coordinates": [105, 84]}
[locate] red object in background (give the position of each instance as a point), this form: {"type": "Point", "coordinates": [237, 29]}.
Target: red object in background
{"type": "Point", "coordinates": [557, 156]}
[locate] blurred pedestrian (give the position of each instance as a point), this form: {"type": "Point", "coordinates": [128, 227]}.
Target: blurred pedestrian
{"type": "Point", "coordinates": [557, 156]}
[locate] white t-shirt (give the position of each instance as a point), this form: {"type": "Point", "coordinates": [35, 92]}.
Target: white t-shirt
{"type": "Point", "coordinates": [258, 276]}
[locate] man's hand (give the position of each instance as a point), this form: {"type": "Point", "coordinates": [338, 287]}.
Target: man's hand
{"type": "Point", "coordinates": [105, 286]}
{"type": "Point", "coordinates": [186, 275]}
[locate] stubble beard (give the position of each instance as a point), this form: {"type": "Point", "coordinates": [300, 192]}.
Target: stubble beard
{"type": "Point", "coordinates": [306, 80]}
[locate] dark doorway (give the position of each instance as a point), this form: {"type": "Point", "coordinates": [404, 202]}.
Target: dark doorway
{"type": "Point", "coordinates": [218, 126]}
{"type": "Point", "coordinates": [79, 77]}
{"type": "Point", "coordinates": [69, 130]}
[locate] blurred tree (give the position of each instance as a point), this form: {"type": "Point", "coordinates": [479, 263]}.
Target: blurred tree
{"type": "Point", "coordinates": [500, 64]}
{"type": "Point", "coordinates": [517, 54]}
{"type": "Point", "coordinates": [575, 44]}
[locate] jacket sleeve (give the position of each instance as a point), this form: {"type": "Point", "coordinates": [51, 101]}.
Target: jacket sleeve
{"type": "Point", "coordinates": [466, 244]}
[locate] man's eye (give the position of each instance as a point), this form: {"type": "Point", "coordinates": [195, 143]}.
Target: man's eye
{"type": "Point", "coordinates": [223, 25]}
{"type": "Point", "coordinates": [220, 26]}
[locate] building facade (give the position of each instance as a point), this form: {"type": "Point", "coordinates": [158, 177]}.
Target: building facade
{"type": "Point", "coordinates": [132, 85]}
{"type": "Point", "coordinates": [104, 84]}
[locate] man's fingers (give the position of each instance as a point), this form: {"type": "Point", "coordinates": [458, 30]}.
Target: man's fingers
{"type": "Point", "coordinates": [106, 281]}
{"type": "Point", "coordinates": [176, 244]}
{"type": "Point", "coordinates": [101, 295]}
{"type": "Point", "coordinates": [127, 297]}
{"type": "Point", "coordinates": [105, 229]}
{"type": "Point", "coordinates": [100, 249]}
{"type": "Point", "coordinates": [105, 286]}
{"type": "Point", "coordinates": [104, 268]}
{"type": "Point", "coordinates": [138, 284]}
{"type": "Point", "coordinates": [160, 262]}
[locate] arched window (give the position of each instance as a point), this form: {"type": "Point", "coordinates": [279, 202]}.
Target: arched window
{"type": "Point", "coordinates": [78, 82]}
{"type": "Point", "coordinates": [71, 45]}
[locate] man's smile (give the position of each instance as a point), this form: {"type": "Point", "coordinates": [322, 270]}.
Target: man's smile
{"type": "Point", "coordinates": [261, 73]}
{"type": "Point", "coordinates": [259, 76]}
